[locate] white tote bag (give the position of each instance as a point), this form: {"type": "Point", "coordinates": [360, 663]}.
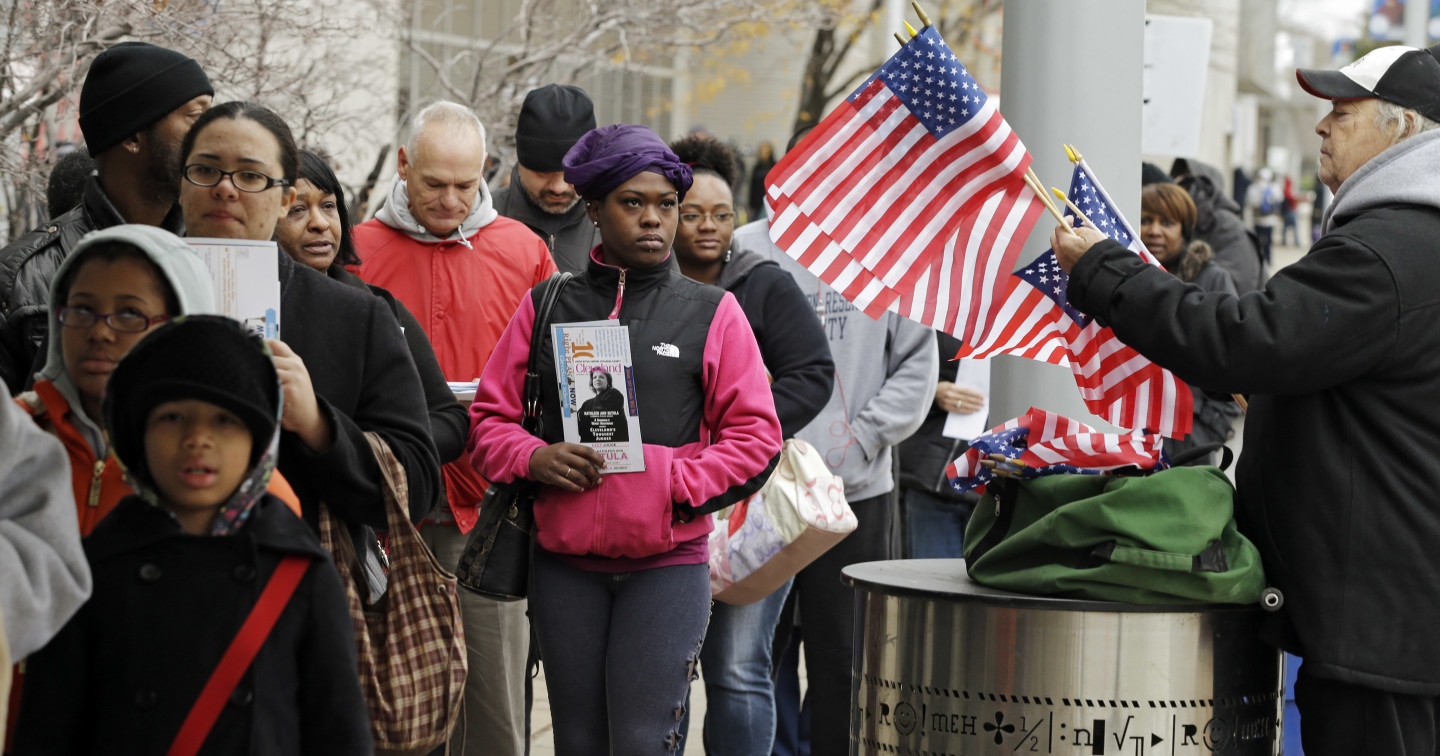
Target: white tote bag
{"type": "Point", "coordinates": [795, 517]}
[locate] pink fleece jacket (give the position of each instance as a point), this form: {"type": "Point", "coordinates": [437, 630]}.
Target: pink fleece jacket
{"type": "Point", "coordinates": [630, 515]}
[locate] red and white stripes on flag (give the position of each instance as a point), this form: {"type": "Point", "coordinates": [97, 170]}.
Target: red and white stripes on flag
{"type": "Point", "coordinates": [1045, 443]}
{"type": "Point", "coordinates": [910, 196]}
{"type": "Point", "coordinates": [1035, 321]}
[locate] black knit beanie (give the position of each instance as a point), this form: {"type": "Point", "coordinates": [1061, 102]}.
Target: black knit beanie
{"type": "Point", "coordinates": [1152, 174]}
{"type": "Point", "coordinates": [132, 85]}
{"type": "Point", "coordinates": [552, 119]}
{"type": "Point", "coordinates": [206, 357]}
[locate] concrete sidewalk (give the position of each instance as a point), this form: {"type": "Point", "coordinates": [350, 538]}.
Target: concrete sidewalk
{"type": "Point", "coordinates": [542, 729]}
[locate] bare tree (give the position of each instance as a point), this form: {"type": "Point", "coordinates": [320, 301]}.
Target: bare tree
{"type": "Point", "coordinates": [298, 57]}
{"type": "Point", "coordinates": [830, 72]}
{"type": "Point", "coordinates": [549, 41]}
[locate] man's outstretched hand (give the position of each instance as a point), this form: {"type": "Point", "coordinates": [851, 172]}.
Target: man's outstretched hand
{"type": "Point", "coordinates": [1070, 247]}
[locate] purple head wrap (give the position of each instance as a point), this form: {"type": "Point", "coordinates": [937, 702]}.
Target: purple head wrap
{"type": "Point", "coordinates": [609, 156]}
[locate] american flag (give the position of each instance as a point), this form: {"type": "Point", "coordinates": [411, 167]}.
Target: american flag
{"type": "Point", "coordinates": [1044, 443]}
{"type": "Point", "coordinates": [1037, 322]}
{"type": "Point", "coordinates": [911, 195]}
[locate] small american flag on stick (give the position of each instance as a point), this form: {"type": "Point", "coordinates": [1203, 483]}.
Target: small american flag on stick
{"type": "Point", "coordinates": [910, 196]}
{"type": "Point", "coordinates": [1037, 322]}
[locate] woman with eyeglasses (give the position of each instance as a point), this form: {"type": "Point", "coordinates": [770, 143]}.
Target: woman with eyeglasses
{"type": "Point", "coordinates": [343, 363]}
{"type": "Point", "coordinates": [735, 661]}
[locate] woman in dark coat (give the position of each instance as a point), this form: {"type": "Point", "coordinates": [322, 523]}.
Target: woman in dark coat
{"type": "Point", "coordinates": [1167, 228]}
{"type": "Point", "coordinates": [341, 355]}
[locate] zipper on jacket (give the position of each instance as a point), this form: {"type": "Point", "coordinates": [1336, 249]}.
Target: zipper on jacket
{"type": "Point", "coordinates": [95, 484]}
{"type": "Point", "coordinates": [619, 296]}
{"type": "Point", "coordinates": [552, 244]}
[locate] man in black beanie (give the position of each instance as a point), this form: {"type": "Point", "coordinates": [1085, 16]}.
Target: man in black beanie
{"type": "Point", "coordinates": [136, 104]}
{"type": "Point", "coordinates": [552, 119]}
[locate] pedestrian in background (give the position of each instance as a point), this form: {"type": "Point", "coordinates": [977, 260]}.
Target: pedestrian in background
{"type": "Point", "coordinates": [884, 383]}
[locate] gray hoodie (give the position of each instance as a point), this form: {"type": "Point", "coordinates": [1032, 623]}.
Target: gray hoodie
{"type": "Point", "coordinates": [885, 374]}
{"type": "Point", "coordinates": [182, 268]}
{"type": "Point", "coordinates": [396, 214]}
{"type": "Point", "coordinates": [44, 577]}
{"type": "Point", "coordinates": [1407, 173]}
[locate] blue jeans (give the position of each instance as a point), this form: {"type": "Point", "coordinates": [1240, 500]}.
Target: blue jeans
{"type": "Point", "coordinates": [934, 526]}
{"type": "Point", "coordinates": [620, 650]}
{"type": "Point", "coordinates": [735, 662]}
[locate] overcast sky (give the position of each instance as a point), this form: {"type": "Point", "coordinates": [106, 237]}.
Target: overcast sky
{"type": "Point", "coordinates": [1332, 18]}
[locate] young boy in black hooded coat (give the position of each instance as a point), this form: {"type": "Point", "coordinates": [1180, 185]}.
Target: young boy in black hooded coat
{"type": "Point", "coordinates": [192, 413]}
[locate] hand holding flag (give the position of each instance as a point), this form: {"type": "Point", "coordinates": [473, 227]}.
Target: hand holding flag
{"type": "Point", "coordinates": [1036, 321]}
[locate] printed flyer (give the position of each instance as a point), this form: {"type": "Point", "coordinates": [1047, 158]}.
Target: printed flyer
{"type": "Point", "coordinates": [247, 281]}
{"type": "Point", "coordinates": [596, 377]}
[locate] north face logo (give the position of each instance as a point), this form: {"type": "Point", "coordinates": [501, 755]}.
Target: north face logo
{"type": "Point", "coordinates": [667, 350]}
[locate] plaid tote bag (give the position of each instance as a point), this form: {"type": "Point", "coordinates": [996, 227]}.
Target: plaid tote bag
{"type": "Point", "coordinates": [410, 645]}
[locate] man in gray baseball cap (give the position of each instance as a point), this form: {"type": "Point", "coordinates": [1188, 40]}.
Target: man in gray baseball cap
{"type": "Point", "coordinates": [1339, 483]}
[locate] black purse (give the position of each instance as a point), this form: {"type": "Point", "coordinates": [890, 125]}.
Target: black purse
{"type": "Point", "coordinates": [496, 560]}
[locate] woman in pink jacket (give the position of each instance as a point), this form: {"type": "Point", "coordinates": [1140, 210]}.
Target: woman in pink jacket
{"type": "Point", "coordinates": [621, 592]}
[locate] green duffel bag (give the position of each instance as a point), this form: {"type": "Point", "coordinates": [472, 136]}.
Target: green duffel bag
{"type": "Point", "coordinates": [1166, 538]}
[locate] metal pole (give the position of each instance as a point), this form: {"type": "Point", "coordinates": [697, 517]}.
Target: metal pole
{"type": "Point", "coordinates": [1071, 73]}
{"type": "Point", "coordinates": [1417, 15]}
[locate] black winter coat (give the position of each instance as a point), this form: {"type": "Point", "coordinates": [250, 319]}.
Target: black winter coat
{"type": "Point", "coordinates": [1340, 473]}
{"type": "Point", "coordinates": [122, 675]}
{"type": "Point", "coordinates": [792, 343]}
{"type": "Point", "coordinates": [365, 380]}
{"type": "Point", "coordinates": [26, 267]}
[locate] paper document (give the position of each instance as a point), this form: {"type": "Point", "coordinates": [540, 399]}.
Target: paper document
{"type": "Point", "coordinates": [246, 275]}
{"type": "Point", "coordinates": [596, 378]}
{"type": "Point", "coordinates": [971, 374]}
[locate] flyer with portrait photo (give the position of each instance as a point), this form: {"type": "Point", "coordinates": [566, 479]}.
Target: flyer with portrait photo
{"type": "Point", "coordinates": [596, 377]}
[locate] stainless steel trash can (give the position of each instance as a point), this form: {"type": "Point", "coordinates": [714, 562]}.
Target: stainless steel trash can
{"type": "Point", "coordinates": [946, 667]}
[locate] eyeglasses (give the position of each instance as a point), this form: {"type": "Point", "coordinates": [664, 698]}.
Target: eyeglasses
{"type": "Point", "coordinates": [126, 322]}
{"type": "Point", "coordinates": [722, 218]}
{"type": "Point", "coordinates": [201, 174]}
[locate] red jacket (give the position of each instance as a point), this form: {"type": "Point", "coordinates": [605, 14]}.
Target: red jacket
{"type": "Point", "coordinates": [463, 297]}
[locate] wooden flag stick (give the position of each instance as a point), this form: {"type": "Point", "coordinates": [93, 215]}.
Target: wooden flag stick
{"type": "Point", "coordinates": [1034, 185]}
{"type": "Point", "coordinates": [924, 19]}
{"type": "Point", "coordinates": [899, 39]}
{"type": "Point", "coordinates": [910, 29]}
{"type": "Point", "coordinates": [1078, 212]}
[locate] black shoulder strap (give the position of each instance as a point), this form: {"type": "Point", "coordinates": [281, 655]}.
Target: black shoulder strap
{"type": "Point", "coordinates": [531, 419]}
